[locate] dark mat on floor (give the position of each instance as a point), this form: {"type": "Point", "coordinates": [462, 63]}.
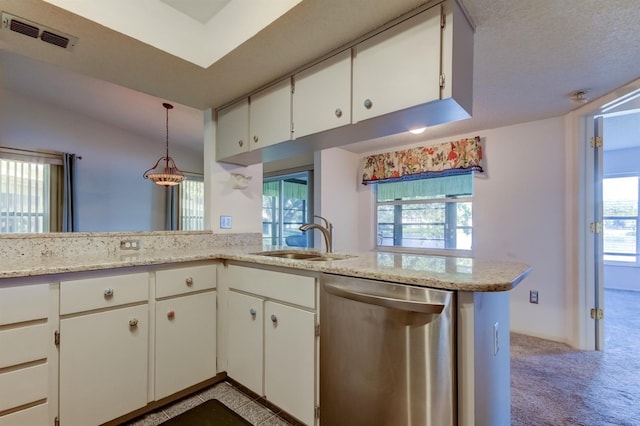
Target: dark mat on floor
{"type": "Point", "coordinates": [210, 413]}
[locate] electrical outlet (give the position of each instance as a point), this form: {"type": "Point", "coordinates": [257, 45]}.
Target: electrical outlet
{"type": "Point", "coordinates": [225, 222]}
{"type": "Point", "coordinates": [533, 296]}
{"type": "Point", "coordinates": [496, 342]}
{"type": "Point", "coordinates": [130, 245]}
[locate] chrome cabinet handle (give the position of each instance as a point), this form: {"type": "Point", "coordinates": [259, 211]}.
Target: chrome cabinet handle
{"type": "Point", "coordinates": [240, 143]}
{"type": "Point", "coordinates": [189, 281]}
{"type": "Point", "coordinates": [274, 319]}
{"type": "Point", "coordinates": [108, 293]}
{"type": "Point", "coordinates": [368, 104]}
{"type": "Point", "coordinates": [338, 112]}
{"type": "Point", "coordinates": [133, 322]}
{"type": "Point", "coordinates": [252, 312]}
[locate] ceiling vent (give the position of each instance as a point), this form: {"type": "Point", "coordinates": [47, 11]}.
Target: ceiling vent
{"type": "Point", "coordinates": [33, 30]}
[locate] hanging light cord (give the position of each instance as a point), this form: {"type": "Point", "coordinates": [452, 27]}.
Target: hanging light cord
{"type": "Point", "coordinates": [167, 108]}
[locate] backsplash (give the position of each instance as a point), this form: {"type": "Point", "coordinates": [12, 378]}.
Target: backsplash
{"type": "Point", "coordinates": [78, 244]}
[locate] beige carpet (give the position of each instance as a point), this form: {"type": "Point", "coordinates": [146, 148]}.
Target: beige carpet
{"type": "Point", "coordinates": [553, 384]}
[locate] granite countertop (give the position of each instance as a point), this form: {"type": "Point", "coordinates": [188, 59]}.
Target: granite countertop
{"type": "Point", "coordinates": [444, 272]}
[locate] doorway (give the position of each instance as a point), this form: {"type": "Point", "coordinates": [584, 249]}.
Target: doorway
{"type": "Point", "coordinates": [286, 205]}
{"type": "Point", "coordinates": [616, 195]}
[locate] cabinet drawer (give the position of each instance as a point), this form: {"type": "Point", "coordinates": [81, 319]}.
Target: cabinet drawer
{"type": "Point", "coordinates": [24, 344]}
{"type": "Point", "coordinates": [24, 303]}
{"type": "Point", "coordinates": [23, 386]}
{"type": "Point", "coordinates": [103, 292]}
{"type": "Point", "coordinates": [176, 281]}
{"type": "Point", "coordinates": [33, 416]}
{"type": "Point", "coordinates": [296, 289]}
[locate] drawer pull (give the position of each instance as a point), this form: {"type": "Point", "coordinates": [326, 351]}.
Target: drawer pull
{"type": "Point", "coordinates": [108, 293]}
{"type": "Point", "coordinates": [338, 112]}
{"type": "Point", "coordinates": [274, 319]}
{"type": "Point", "coordinates": [133, 322]}
{"type": "Point", "coordinates": [368, 104]}
{"type": "Point", "coordinates": [252, 312]}
{"type": "Point", "coordinates": [189, 281]}
{"type": "Point", "coordinates": [171, 314]}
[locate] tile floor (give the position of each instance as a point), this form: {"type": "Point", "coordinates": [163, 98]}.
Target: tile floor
{"type": "Point", "coordinates": [248, 407]}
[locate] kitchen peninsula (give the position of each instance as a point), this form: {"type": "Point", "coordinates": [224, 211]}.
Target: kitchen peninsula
{"type": "Point", "coordinates": [194, 271]}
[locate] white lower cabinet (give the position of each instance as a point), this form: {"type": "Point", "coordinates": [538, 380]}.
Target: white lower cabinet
{"type": "Point", "coordinates": [98, 346]}
{"type": "Point", "coordinates": [185, 342]}
{"type": "Point", "coordinates": [28, 360]}
{"type": "Point", "coordinates": [245, 342]}
{"type": "Point", "coordinates": [103, 348]}
{"type": "Point", "coordinates": [185, 333]}
{"type": "Point", "coordinates": [103, 365]}
{"type": "Point", "coordinates": [289, 359]}
{"type": "Point", "coordinates": [271, 344]}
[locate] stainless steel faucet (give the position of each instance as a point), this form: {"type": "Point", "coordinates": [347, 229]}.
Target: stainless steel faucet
{"type": "Point", "coordinates": [327, 231]}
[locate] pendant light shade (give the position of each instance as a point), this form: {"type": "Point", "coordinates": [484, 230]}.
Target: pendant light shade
{"type": "Point", "coordinates": [170, 175]}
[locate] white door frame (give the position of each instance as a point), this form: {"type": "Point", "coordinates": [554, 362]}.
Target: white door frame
{"type": "Point", "coordinates": [589, 265]}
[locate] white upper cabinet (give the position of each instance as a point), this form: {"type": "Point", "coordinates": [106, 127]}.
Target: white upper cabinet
{"type": "Point", "coordinates": [416, 72]}
{"type": "Point", "coordinates": [232, 134]}
{"type": "Point", "coordinates": [270, 115]}
{"type": "Point", "coordinates": [398, 68]}
{"type": "Point", "coordinates": [322, 96]}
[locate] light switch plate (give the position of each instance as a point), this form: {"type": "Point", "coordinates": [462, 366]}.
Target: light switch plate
{"type": "Point", "coordinates": [225, 222]}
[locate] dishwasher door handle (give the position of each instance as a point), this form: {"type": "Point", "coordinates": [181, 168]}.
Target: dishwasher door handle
{"type": "Point", "coordinates": [388, 302]}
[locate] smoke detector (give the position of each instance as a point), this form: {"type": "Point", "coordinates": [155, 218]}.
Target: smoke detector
{"type": "Point", "coordinates": [579, 97]}
{"type": "Point", "coordinates": [37, 31]}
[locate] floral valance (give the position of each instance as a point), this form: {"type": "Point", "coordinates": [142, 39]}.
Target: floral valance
{"type": "Point", "coordinates": [445, 159]}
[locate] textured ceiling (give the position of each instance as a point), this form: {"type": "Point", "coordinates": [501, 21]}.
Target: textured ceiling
{"type": "Point", "coordinates": [530, 55]}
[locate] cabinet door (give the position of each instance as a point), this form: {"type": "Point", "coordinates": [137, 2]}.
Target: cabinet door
{"type": "Point", "coordinates": [185, 342]}
{"type": "Point", "coordinates": [322, 96]}
{"type": "Point", "coordinates": [232, 134]}
{"type": "Point", "coordinates": [289, 363]}
{"type": "Point", "coordinates": [245, 340]}
{"type": "Point", "coordinates": [398, 68]}
{"type": "Point", "coordinates": [103, 365]}
{"type": "Point", "coordinates": [270, 115]}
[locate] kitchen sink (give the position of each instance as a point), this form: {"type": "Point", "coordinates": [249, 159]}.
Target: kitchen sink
{"type": "Point", "coordinates": [303, 255]}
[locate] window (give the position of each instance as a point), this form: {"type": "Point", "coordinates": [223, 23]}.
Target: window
{"type": "Point", "coordinates": [620, 227]}
{"type": "Point", "coordinates": [286, 205]}
{"type": "Point", "coordinates": [431, 213]}
{"type": "Point", "coordinates": [29, 186]}
{"type": "Point", "coordinates": [191, 203]}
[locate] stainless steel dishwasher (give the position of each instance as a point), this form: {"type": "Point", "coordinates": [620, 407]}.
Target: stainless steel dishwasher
{"type": "Point", "coordinates": [387, 354]}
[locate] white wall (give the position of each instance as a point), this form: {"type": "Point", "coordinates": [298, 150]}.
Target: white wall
{"type": "Point", "coordinates": [518, 215]}
{"type": "Point", "coordinates": [112, 194]}
{"type": "Point", "coordinates": [335, 196]}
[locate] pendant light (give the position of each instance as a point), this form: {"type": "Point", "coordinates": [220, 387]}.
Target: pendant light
{"type": "Point", "coordinates": [171, 175]}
